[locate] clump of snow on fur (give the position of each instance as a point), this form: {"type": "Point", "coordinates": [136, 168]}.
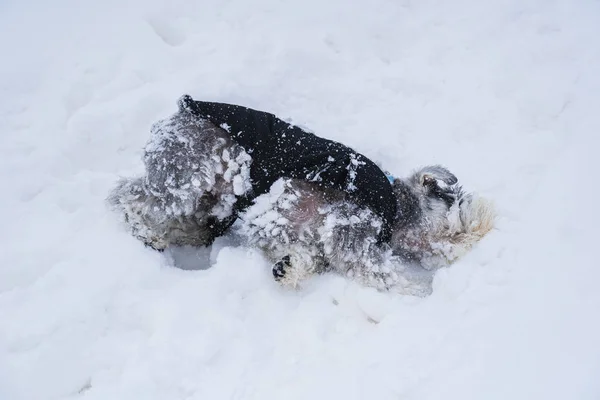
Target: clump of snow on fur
{"type": "Point", "coordinates": [188, 158]}
{"type": "Point", "coordinates": [189, 162]}
{"type": "Point", "coordinates": [143, 213]}
{"type": "Point", "coordinates": [237, 175]}
{"type": "Point", "coordinates": [263, 221]}
{"type": "Point", "coordinates": [317, 235]}
{"type": "Point", "coordinates": [348, 227]}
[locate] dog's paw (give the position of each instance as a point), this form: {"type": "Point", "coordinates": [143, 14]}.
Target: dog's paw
{"type": "Point", "coordinates": [292, 269]}
{"type": "Point", "coordinates": [153, 246]}
{"type": "Point", "coordinates": [281, 267]}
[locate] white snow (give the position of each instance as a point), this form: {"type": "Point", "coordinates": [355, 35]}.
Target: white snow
{"type": "Point", "coordinates": [505, 93]}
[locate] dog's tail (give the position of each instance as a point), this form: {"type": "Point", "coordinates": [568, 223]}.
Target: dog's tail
{"type": "Point", "coordinates": [187, 104]}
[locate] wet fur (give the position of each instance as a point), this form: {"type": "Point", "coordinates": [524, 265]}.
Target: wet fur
{"type": "Point", "coordinates": [194, 171]}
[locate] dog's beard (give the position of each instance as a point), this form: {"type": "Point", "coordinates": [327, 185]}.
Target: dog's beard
{"type": "Point", "coordinates": [445, 231]}
{"type": "Point", "coordinates": [467, 225]}
{"type": "Point", "coordinates": [477, 216]}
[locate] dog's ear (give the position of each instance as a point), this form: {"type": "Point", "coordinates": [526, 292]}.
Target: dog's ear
{"type": "Point", "coordinates": [435, 182]}
{"type": "Point", "coordinates": [430, 174]}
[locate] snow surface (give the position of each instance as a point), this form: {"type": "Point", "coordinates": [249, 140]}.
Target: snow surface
{"type": "Point", "coordinates": [505, 93]}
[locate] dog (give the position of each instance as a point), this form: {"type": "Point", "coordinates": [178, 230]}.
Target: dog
{"type": "Point", "coordinates": [310, 204]}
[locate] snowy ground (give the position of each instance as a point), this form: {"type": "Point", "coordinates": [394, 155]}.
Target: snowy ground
{"type": "Point", "coordinates": [503, 92]}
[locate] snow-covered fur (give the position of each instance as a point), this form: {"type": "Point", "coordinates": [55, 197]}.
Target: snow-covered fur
{"type": "Point", "coordinates": [195, 175]}
{"type": "Point", "coordinates": [310, 231]}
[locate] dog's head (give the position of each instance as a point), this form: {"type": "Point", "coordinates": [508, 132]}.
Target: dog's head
{"type": "Point", "coordinates": [437, 220]}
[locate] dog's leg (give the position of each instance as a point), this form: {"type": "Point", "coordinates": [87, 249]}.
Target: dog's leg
{"type": "Point", "coordinates": [194, 174]}
{"type": "Point", "coordinates": [133, 202]}
{"type": "Point", "coordinates": [149, 221]}
{"type": "Point", "coordinates": [281, 267]}
{"type": "Point", "coordinates": [283, 224]}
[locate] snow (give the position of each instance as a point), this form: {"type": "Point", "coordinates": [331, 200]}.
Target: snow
{"type": "Point", "coordinates": [503, 92]}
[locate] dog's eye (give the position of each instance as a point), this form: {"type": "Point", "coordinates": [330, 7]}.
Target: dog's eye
{"type": "Point", "coordinates": [429, 181]}
{"type": "Point", "coordinates": [447, 197]}
{"type": "Point", "coordinates": [434, 190]}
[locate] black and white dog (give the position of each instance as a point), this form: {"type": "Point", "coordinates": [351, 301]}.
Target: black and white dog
{"type": "Point", "coordinates": [311, 204]}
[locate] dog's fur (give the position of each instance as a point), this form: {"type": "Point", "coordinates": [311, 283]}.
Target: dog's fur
{"type": "Point", "coordinates": [194, 172]}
